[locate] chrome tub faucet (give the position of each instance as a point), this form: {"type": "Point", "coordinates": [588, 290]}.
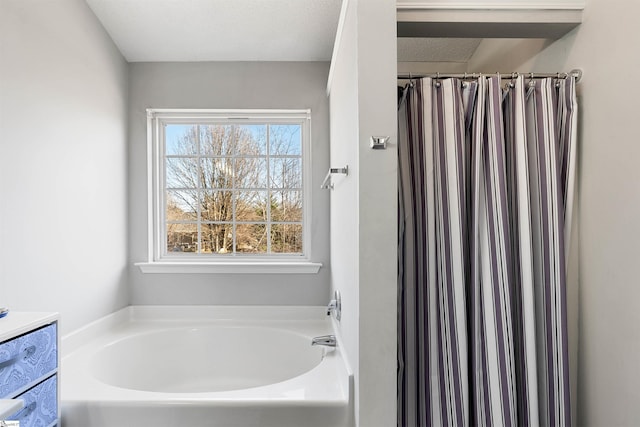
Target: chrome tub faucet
{"type": "Point", "coordinates": [335, 305]}
{"type": "Point", "coordinates": [326, 340]}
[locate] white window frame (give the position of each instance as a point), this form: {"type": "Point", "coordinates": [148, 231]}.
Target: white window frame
{"type": "Point", "coordinates": [159, 261]}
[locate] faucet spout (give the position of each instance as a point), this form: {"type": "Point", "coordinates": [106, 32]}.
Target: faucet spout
{"type": "Point", "coordinates": [326, 340]}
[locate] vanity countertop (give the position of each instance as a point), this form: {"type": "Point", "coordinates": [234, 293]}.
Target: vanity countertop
{"type": "Point", "coordinates": [18, 322]}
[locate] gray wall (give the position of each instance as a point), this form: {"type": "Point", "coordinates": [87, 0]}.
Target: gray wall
{"type": "Point", "coordinates": [63, 100]}
{"type": "Point", "coordinates": [230, 85]}
{"type": "Point", "coordinates": [606, 338]}
{"type": "Point", "coordinates": [377, 213]}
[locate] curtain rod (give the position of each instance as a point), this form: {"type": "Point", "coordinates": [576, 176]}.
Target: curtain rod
{"type": "Point", "coordinates": [574, 73]}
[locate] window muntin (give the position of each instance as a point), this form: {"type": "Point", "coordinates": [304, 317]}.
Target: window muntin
{"type": "Point", "coordinates": [230, 187]}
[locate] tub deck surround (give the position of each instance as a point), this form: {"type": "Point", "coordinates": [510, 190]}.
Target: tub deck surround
{"type": "Point", "coordinates": [176, 364]}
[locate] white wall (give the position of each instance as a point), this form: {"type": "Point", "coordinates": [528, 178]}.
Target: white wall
{"type": "Point", "coordinates": [63, 90]}
{"type": "Point", "coordinates": [605, 47]}
{"type": "Point", "coordinates": [364, 204]}
{"type": "Point", "coordinates": [344, 197]}
{"type": "Point", "coordinates": [228, 85]}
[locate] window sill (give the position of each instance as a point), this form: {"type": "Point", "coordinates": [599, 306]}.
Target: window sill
{"type": "Point", "coordinates": [248, 267]}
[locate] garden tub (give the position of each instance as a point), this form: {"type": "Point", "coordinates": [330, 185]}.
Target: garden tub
{"type": "Point", "coordinates": [204, 366]}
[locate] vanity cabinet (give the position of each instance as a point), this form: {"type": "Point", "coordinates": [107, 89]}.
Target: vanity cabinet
{"type": "Point", "coordinates": [29, 367]}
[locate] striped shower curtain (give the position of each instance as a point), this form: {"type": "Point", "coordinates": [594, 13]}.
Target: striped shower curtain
{"type": "Point", "coordinates": [486, 178]}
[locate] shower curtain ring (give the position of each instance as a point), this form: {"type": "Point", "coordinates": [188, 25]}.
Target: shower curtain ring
{"type": "Point", "coordinates": [514, 76]}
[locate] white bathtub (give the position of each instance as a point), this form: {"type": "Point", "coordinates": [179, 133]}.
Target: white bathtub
{"type": "Point", "coordinates": [204, 366]}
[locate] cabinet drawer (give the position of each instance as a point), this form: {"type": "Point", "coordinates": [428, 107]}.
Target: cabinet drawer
{"type": "Point", "coordinates": [26, 359]}
{"type": "Point", "coordinates": [40, 405]}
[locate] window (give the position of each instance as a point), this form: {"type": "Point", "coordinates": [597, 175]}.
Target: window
{"type": "Point", "coordinates": [229, 187]}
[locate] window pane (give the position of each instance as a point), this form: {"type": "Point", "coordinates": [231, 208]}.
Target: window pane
{"type": "Point", "coordinates": [216, 206]}
{"type": "Point", "coordinates": [286, 173]}
{"type": "Point", "coordinates": [252, 140]}
{"type": "Point", "coordinates": [182, 173]}
{"type": "Point", "coordinates": [181, 140]}
{"type": "Point", "coordinates": [251, 238]}
{"type": "Point", "coordinates": [218, 140]}
{"type": "Point", "coordinates": [286, 206]}
{"type": "Point", "coordinates": [251, 172]}
{"type": "Point", "coordinates": [251, 206]}
{"type": "Point", "coordinates": [182, 238]}
{"type": "Point", "coordinates": [181, 205]}
{"type": "Point", "coordinates": [286, 238]}
{"type": "Point", "coordinates": [285, 140]}
{"type": "Point", "coordinates": [217, 173]}
{"type": "Point", "coordinates": [217, 238]}
{"type": "Point", "coordinates": [230, 185]}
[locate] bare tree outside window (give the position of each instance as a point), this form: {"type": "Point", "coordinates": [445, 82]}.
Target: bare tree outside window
{"type": "Point", "coordinates": [233, 189]}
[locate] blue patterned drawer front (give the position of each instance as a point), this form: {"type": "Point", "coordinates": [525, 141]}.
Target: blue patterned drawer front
{"type": "Point", "coordinates": [26, 359]}
{"type": "Point", "coordinates": [40, 405]}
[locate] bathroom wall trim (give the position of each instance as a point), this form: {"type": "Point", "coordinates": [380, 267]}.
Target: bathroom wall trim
{"type": "Point", "coordinates": [270, 267]}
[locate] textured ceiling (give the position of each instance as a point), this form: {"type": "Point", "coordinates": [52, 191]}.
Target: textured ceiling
{"type": "Point", "coordinates": [436, 49]}
{"type": "Point", "coordinates": [220, 30]}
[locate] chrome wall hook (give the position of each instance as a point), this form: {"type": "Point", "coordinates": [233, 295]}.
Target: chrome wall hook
{"type": "Point", "coordinates": [379, 142]}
